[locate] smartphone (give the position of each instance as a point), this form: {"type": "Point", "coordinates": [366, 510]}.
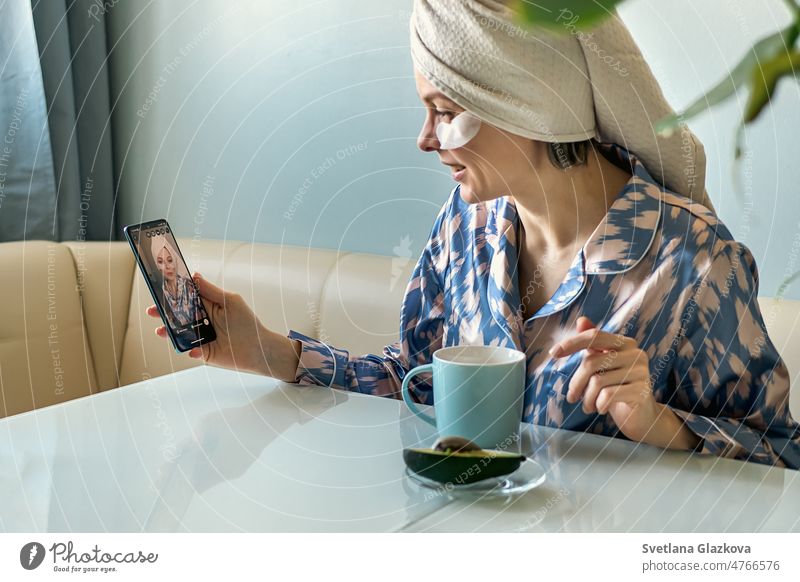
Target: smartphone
{"type": "Point", "coordinates": [174, 291]}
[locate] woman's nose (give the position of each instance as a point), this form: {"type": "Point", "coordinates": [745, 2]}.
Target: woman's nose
{"type": "Point", "coordinates": [427, 140]}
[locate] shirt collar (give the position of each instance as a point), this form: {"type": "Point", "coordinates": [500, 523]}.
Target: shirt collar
{"type": "Point", "coordinates": [619, 242]}
{"type": "Point", "coordinates": [629, 227]}
{"type": "Point", "coordinates": [627, 230]}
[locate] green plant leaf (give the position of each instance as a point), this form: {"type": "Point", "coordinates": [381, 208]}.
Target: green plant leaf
{"type": "Point", "coordinates": [566, 14]}
{"type": "Point", "coordinates": [739, 141]}
{"type": "Point", "coordinates": [765, 78]}
{"type": "Point", "coordinates": [763, 51]}
{"type": "Point", "coordinates": [793, 7]}
{"type": "Point", "coordinates": [786, 283]}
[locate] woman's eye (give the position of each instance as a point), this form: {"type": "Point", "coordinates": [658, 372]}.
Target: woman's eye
{"type": "Point", "coordinates": [443, 112]}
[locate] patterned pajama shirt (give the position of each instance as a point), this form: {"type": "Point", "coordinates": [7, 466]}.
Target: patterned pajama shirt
{"type": "Point", "coordinates": [658, 268]}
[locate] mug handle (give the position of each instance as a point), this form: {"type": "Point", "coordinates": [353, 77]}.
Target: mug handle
{"type": "Point", "coordinates": [407, 396]}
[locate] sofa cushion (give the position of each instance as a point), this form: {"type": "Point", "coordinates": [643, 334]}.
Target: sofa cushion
{"type": "Point", "coordinates": [44, 349]}
{"type": "Point", "coordinates": [105, 273]}
{"type": "Point", "coordinates": [361, 301]}
{"type": "Point", "coordinates": [282, 283]}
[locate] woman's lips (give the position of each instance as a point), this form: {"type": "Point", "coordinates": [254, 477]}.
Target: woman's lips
{"type": "Point", "coordinates": [458, 172]}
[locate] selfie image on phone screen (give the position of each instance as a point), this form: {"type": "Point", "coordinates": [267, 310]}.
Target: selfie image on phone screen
{"type": "Point", "coordinates": [170, 284]}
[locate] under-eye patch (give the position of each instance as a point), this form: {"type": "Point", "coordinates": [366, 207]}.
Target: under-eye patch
{"type": "Point", "coordinates": [458, 132]}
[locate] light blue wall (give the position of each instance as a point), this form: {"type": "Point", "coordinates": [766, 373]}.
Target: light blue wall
{"type": "Point", "coordinates": [296, 122]}
{"type": "Point", "coordinates": [302, 115]}
{"type": "Point", "coordinates": [692, 44]}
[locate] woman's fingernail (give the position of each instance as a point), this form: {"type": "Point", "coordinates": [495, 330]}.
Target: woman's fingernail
{"type": "Point", "coordinates": [555, 351]}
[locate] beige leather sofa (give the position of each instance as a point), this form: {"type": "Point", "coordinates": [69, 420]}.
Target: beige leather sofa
{"type": "Point", "coordinates": [73, 319]}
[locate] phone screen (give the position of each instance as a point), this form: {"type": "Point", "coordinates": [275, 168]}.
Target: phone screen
{"type": "Point", "coordinates": [170, 284]}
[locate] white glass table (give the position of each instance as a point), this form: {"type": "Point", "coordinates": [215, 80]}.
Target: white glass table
{"type": "Point", "coordinates": [213, 450]}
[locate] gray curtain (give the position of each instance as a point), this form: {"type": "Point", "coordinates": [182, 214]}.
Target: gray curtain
{"type": "Point", "coordinates": [63, 186]}
{"type": "Point", "coordinates": [27, 183]}
{"type": "Point", "coordinates": [71, 36]}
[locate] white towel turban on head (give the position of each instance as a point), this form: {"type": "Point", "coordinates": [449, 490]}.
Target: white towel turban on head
{"type": "Point", "coordinates": [158, 243]}
{"type": "Point", "coordinates": [555, 87]}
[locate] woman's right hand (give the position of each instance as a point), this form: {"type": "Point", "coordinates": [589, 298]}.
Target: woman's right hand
{"type": "Point", "coordinates": [243, 342]}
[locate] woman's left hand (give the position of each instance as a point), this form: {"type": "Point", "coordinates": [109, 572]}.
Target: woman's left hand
{"type": "Point", "coordinates": [613, 378]}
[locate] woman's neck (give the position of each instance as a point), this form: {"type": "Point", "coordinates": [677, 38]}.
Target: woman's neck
{"type": "Point", "coordinates": [562, 212]}
{"type": "Point", "coordinates": [172, 284]}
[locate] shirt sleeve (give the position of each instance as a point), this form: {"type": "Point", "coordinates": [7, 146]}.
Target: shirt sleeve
{"type": "Point", "coordinates": [732, 385]}
{"type": "Point", "coordinates": [421, 330]}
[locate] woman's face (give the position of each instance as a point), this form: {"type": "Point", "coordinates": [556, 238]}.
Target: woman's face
{"type": "Point", "coordinates": [166, 264]}
{"type": "Point", "coordinates": [489, 165]}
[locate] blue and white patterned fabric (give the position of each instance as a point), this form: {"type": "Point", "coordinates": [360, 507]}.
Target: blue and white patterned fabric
{"type": "Point", "coordinates": [659, 268]}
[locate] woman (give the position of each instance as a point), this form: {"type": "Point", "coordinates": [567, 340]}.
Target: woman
{"type": "Point", "coordinates": [605, 264]}
{"type": "Point", "coordinates": [180, 298]}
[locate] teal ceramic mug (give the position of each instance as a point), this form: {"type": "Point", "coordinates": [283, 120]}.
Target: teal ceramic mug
{"type": "Point", "coordinates": [478, 393]}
